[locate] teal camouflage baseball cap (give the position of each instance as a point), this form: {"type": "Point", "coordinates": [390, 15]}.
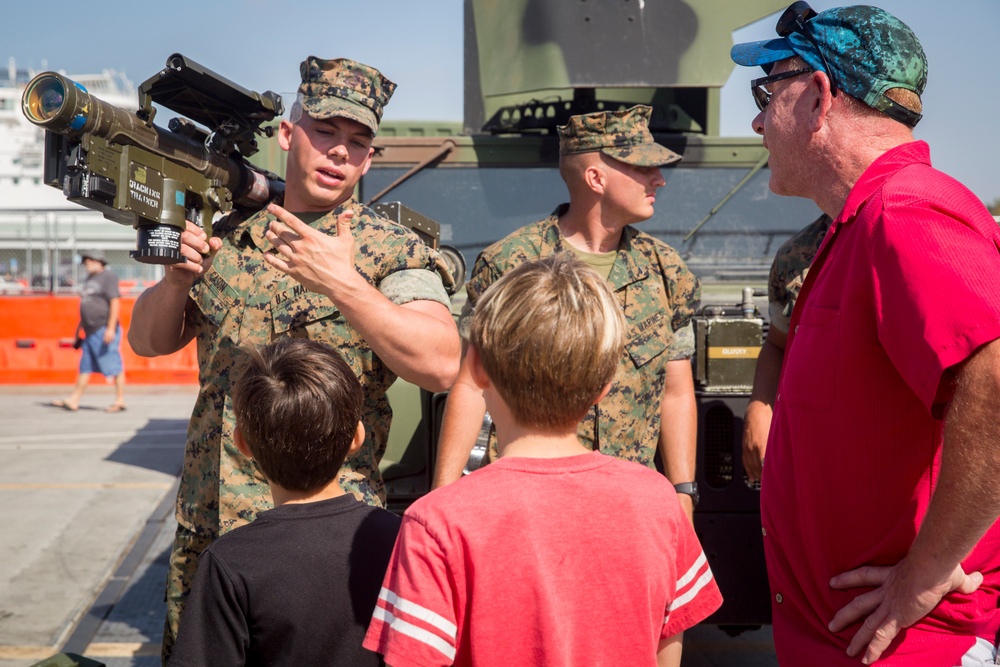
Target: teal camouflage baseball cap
{"type": "Point", "coordinates": [342, 88]}
{"type": "Point", "coordinates": [869, 51]}
{"type": "Point", "coordinates": [622, 135]}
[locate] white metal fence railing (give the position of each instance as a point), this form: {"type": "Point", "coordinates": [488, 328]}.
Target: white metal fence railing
{"type": "Point", "coordinates": [40, 251]}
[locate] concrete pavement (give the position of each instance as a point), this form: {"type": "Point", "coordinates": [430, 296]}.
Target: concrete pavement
{"type": "Point", "coordinates": [86, 522]}
{"type": "Point", "coordinates": [76, 491]}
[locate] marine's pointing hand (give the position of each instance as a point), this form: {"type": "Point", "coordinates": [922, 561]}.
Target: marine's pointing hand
{"type": "Point", "coordinates": [322, 263]}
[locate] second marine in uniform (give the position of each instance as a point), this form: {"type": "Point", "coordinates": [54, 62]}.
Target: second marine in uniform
{"type": "Point", "coordinates": [611, 167]}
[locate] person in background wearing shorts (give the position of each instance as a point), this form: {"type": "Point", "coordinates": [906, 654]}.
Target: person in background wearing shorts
{"type": "Point", "coordinates": [100, 308]}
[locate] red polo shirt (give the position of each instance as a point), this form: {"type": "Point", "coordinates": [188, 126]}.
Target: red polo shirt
{"type": "Point", "coordinates": [906, 285]}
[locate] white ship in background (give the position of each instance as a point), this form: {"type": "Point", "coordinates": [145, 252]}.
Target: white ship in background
{"type": "Point", "coordinates": [41, 233]}
{"type": "Point", "coordinates": [21, 143]}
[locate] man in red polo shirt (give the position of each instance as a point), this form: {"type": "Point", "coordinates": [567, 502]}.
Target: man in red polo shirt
{"type": "Point", "coordinates": [879, 497]}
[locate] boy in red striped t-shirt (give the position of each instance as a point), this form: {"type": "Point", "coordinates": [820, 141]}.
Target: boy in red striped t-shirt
{"type": "Point", "coordinates": [554, 554]}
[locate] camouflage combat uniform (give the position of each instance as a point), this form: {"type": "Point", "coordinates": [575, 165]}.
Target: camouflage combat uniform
{"type": "Point", "coordinates": [658, 295]}
{"type": "Point", "coordinates": [242, 300]}
{"type": "Point", "coordinates": [788, 272]}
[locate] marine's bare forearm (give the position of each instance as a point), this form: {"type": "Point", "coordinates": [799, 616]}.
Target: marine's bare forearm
{"type": "Point", "coordinates": [463, 417]}
{"type": "Point", "coordinates": [418, 340]}
{"type": "Point", "coordinates": [678, 423]}
{"type": "Point", "coordinates": [678, 441]}
{"type": "Point", "coordinates": [158, 321]}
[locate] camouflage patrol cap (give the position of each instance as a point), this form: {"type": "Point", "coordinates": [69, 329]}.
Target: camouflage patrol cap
{"type": "Point", "coordinates": [344, 88]}
{"type": "Point", "coordinates": [622, 135]}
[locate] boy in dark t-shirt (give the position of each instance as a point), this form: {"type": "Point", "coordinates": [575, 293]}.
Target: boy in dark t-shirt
{"type": "Point", "coordinates": [297, 586]}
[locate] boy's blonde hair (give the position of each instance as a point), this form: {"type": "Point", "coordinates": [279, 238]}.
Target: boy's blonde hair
{"type": "Point", "coordinates": [550, 335]}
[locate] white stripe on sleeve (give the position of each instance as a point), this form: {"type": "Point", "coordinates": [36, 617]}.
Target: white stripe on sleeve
{"type": "Point", "coordinates": [682, 600]}
{"type": "Point", "coordinates": [690, 574]}
{"type": "Point", "coordinates": [415, 610]}
{"type": "Point", "coordinates": [410, 630]}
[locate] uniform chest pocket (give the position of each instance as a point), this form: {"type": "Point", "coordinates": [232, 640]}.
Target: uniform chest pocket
{"type": "Point", "coordinates": [810, 380]}
{"type": "Point", "coordinates": [648, 339]}
{"type": "Point", "coordinates": [297, 308]}
{"type": "Point", "coordinates": [216, 299]}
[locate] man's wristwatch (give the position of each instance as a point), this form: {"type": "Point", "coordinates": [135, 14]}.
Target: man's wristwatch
{"type": "Point", "coordinates": [689, 488]}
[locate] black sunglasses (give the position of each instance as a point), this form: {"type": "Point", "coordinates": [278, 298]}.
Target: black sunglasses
{"type": "Point", "coordinates": [761, 95]}
{"type": "Point", "coordinates": [794, 20]}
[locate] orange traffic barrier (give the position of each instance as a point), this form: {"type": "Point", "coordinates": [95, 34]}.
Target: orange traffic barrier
{"type": "Point", "coordinates": [36, 345]}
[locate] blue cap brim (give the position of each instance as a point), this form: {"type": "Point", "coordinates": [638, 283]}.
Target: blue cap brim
{"type": "Point", "coordinates": [764, 53]}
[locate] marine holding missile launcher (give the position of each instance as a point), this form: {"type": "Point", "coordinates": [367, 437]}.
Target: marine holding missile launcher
{"type": "Point", "coordinates": [138, 174]}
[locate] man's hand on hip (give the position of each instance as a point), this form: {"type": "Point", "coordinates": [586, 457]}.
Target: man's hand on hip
{"type": "Point", "coordinates": [901, 598]}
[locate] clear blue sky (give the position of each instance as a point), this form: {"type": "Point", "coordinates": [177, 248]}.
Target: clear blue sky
{"type": "Point", "coordinates": [418, 44]}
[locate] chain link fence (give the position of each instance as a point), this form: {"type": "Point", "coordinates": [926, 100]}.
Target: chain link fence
{"type": "Point", "coordinates": [40, 251]}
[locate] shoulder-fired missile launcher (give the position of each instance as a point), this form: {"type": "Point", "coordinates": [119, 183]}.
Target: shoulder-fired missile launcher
{"type": "Point", "coordinates": [136, 173]}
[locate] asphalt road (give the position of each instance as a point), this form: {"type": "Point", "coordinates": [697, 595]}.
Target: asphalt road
{"type": "Point", "coordinates": [86, 519]}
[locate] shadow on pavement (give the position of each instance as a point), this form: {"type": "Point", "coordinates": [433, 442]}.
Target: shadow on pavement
{"type": "Point", "coordinates": [155, 446]}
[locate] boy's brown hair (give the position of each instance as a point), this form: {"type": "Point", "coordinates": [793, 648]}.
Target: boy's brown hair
{"type": "Point", "coordinates": [298, 405]}
{"type": "Point", "coordinates": [550, 335]}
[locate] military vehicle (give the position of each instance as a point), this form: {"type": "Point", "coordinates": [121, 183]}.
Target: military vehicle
{"type": "Point", "coordinates": [529, 65]}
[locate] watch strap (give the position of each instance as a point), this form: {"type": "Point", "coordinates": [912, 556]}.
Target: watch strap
{"type": "Point", "coordinates": [688, 488]}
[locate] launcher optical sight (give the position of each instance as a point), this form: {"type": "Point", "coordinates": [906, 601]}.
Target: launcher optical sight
{"type": "Point", "coordinates": [136, 173]}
